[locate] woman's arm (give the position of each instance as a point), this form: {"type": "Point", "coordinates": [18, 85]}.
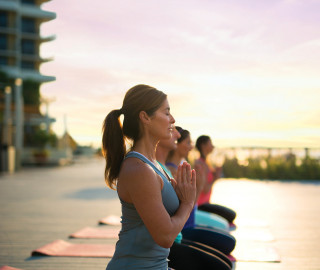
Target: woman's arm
{"type": "Point", "coordinates": [142, 186]}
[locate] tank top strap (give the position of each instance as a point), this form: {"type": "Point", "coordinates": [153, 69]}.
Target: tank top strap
{"type": "Point", "coordinates": [146, 160]}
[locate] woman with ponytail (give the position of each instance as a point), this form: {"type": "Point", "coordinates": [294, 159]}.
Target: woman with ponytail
{"type": "Point", "coordinates": [205, 147]}
{"type": "Point", "coordinates": [154, 207]}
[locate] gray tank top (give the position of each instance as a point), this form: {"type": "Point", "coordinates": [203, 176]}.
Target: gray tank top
{"type": "Point", "coordinates": [135, 248]}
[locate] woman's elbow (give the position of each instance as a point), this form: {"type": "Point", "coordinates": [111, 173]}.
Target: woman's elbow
{"type": "Point", "coordinates": [165, 241]}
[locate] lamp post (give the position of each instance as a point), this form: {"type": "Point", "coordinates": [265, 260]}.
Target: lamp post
{"type": "Point", "coordinates": [7, 151]}
{"type": "Point", "coordinates": [7, 121]}
{"type": "Point", "coordinates": [19, 122]}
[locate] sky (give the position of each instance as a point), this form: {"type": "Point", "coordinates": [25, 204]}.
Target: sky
{"type": "Point", "coordinates": [246, 73]}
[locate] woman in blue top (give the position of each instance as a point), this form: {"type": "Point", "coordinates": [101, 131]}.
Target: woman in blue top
{"type": "Point", "coordinates": [153, 210]}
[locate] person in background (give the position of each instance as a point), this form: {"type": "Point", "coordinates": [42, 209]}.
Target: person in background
{"type": "Point", "coordinates": [183, 147]}
{"type": "Point", "coordinates": [205, 147]}
{"type": "Point", "coordinates": [208, 229]}
{"type": "Point", "coordinates": [186, 254]}
{"type": "Point", "coordinates": [154, 211]}
{"type": "Point", "coordinates": [204, 227]}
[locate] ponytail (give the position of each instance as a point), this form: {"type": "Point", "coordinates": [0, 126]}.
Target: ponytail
{"type": "Point", "coordinates": [138, 98]}
{"type": "Point", "coordinates": [113, 146]}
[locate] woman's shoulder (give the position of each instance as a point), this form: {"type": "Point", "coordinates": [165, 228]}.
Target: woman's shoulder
{"type": "Point", "coordinates": [134, 166]}
{"type": "Point", "coordinates": [135, 171]}
{"type": "Point", "coordinates": [136, 177]}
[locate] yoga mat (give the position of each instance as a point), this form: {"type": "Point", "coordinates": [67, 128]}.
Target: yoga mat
{"type": "Point", "coordinates": [253, 234]}
{"type": "Point", "coordinates": [111, 220]}
{"type": "Point", "coordinates": [89, 232]}
{"type": "Point", "coordinates": [256, 253]}
{"type": "Point", "coordinates": [60, 248]}
{"type": "Point", "coordinates": [6, 267]}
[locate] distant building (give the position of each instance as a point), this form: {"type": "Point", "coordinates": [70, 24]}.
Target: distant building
{"type": "Point", "coordinates": [20, 41]}
{"type": "Point", "coordinates": [66, 141]}
{"type": "Point", "coordinates": [20, 38]}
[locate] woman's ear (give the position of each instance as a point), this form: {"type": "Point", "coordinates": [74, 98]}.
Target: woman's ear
{"type": "Point", "coordinates": [144, 117]}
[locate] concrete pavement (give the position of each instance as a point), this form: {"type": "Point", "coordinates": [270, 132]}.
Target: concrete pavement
{"type": "Point", "coordinates": [40, 205]}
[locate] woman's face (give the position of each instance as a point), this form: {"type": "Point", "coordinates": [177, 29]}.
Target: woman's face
{"type": "Point", "coordinates": [207, 147]}
{"type": "Point", "coordinates": [184, 147]}
{"type": "Point", "coordinates": [171, 143]}
{"type": "Point", "coordinates": [161, 125]}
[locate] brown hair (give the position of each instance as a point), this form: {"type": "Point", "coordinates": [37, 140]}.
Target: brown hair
{"type": "Point", "coordinates": [203, 139]}
{"type": "Point", "coordinates": [138, 98]}
{"type": "Point", "coordinates": [184, 134]}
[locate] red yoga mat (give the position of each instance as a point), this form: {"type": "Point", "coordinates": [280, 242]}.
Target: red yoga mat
{"type": "Point", "coordinates": [6, 267]}
{"type": "Point", "coordinates": [60, 248]}
{"type": "Point", "coordinates": [110, 220]}
{"type": "Point", "coordinates": [89, 232]}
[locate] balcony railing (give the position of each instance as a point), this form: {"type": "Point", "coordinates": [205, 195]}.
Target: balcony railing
{"type": "Point", "coordinates": [35, 58]}
{"type": "Point", "coordinates": [37, 12]}
{"type": "Point", "coordinates": [8, 30]}
{"type": "Point", "coordinates": [36, 36]}
{"type": "Point", "coordinates": [27, 74]}
{"type": "Point", "coordinates": [8, 53]}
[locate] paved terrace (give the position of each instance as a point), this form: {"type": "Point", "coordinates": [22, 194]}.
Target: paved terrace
{"type": "Point", "coordinates": [40, 205]}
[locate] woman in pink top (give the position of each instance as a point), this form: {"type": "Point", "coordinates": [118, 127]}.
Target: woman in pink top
{"type": "Point", "coordinates": [205, 147]}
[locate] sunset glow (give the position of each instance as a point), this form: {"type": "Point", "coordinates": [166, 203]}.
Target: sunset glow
{"type": "Point", "coordinates": [244, 72]}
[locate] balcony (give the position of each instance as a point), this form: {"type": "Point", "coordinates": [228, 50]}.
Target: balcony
{"type": "Point", "coordinates": [36, 12]}
{"type": "Point", "coordinates": [38, 2]}
{"type": "Point", "coordinates": [9, 5]}
{"type": "Point", "coordinates": [36, 36]}
{"type": "Point", "coordinates": [8, 30]}
{"type": "Point", "coordinates": [24, 74]}
{"type": "Point", "coordinates": [8, 53]}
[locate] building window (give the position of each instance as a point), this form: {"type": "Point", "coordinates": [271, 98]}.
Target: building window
{"type": "Point", "coordinates": [3, 19]}
{"type": "Point", "coordinates": [30, 2]}
{"type": "Point", "coordinates": [27, 65]}
{"type": "Point", "coordinates": [28, 46]}
{"type": "Point", "coordinates": [3, 42]}
{"type": "Point", "coordinates": [3, 61]}
{"type": "Point", "coordinates": [28, 25]}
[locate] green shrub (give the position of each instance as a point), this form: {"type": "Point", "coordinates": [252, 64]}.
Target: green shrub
{"type": "Point", "coordinates": [281, 167]}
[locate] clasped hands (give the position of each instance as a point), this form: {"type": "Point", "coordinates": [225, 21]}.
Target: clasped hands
{"type": "Point", "coordinates": [185, 184]}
